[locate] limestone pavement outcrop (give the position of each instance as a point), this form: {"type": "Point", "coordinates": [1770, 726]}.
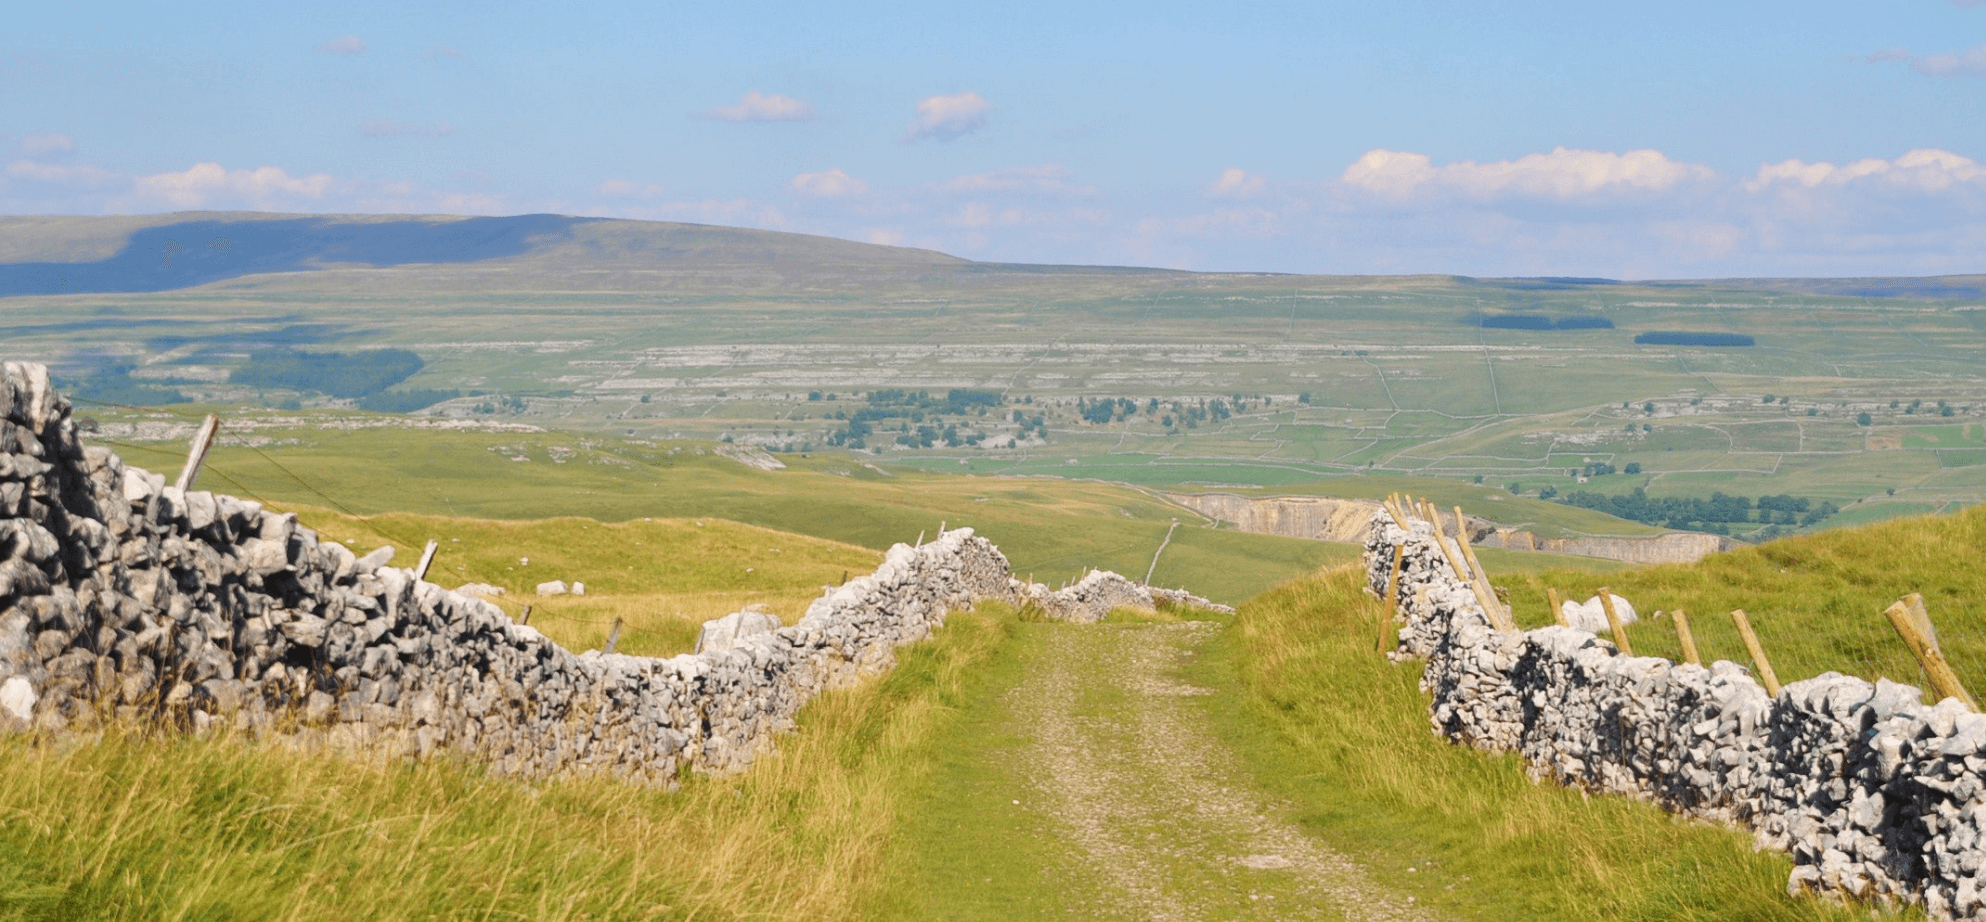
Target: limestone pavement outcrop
{"type": "Point", "coordinates": [1876, 795]}
{"type": "Point", "coordinates": [125, 599]}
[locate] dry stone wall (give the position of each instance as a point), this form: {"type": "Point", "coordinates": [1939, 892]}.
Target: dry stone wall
{"type": "Point", "coordinates": [1876, 795]}
{"type": "Point", "coordinates": [123, 598]}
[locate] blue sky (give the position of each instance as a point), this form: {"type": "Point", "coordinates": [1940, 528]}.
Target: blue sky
{"type": "Point", "coordinates": [1679, 139]}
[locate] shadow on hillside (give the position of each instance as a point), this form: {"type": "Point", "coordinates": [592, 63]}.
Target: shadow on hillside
{"type": "Point", "coordinates": [198, 252]}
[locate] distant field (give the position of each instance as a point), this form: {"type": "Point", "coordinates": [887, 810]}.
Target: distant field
{"type": "Point", "coordinates": [660, 331]}
{"type": "Point", "coordinates": [1051, 528]}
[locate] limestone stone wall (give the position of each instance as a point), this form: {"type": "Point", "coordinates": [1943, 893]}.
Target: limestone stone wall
{"type": "Point", "coordinates": [1876, 795]}
{"type": "Point", "coordinates": [123, 598]}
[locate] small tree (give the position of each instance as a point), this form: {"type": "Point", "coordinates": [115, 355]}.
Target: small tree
{"type": "Point", "coordinates": [1862, 420]}
{"type": "Point", "coordinates": [1633, 467]}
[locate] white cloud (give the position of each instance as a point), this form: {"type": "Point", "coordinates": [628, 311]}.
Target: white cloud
{"type": "Point", "coordinates": [1235, 182]}
{"type": "Point", "coordinates": [1565, 173]}
{"type": "Point", "coordinates": [388, 128]}
{"type": "Point", "coordinates": [206, 184]}
{"type": "Point", "coordinates": [948, 117]}
{"type": "Point", "coordinates": [1922, 170]}
{"type": "Point", "coordinates": [1047, 178]}
{"type": "Point", "coordinates": [345, 45]}
{"type": "Point", "coordinates": [41, 146]}
{"type": "Point", "coordinates": [627, 188]}
{"type": "Point", "coordinates": [85, 176]}
{"type": "Point", "coordinates": [833, 183]}
{"type": "Point", "coordinates": [1968, 63]}
{"type": "Point", "coordinates": [762, 107]}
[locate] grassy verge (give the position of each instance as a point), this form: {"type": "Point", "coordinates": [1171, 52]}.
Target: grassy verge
{"type": "Point", "coordinates": [128, 827]}
{"type": "Point", "coordinates": [966, 853]}
{"type": "Point", "coordinates": [1342, 734]}
{"type": "Point", "coordinates": [1816, 601]}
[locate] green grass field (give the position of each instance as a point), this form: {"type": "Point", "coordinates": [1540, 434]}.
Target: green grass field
{"type": "Point", "coordinates": [1815, 601]}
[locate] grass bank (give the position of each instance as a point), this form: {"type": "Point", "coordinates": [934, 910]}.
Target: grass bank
{"type": "Point", "coordinates": [1816, 601]}
{"type": "Point", "coordinates": [1342, 735]}
{"type": "Point", "coordinates": [129, 827]}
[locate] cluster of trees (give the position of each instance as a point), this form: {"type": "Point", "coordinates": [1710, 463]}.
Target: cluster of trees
{"type": "Point", "coordinates": [501, 404]}
{"type": "Point", "coordinates": [956, 402]}
{"type": "Point", "coordinates": [338, 374]}
{"type": "Point", "coordinates": [1715, 514]}
{"type": "Point", "coordinates": [918, 417]}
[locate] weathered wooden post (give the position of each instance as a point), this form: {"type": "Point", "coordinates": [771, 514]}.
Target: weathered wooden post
{"type": "Point", "coordinates": [1614, 621]}
{"type": "Point", "coordinates": [202, 440]}
{"type": "Point", "coordinates": [613, 636]}
{"type": "Point", "coordinates": [1765, 673]}
{"type": "Point", "coordinates": [1684, 637]}
{"type": "Point", "coordinates": [1913, 624]}
{"type": "Point", "coordinates": [525, 618]}
{"type": "Point", "coordinates": [427, 558]}
{"type": "Point", "coordinates": [1558, 609]}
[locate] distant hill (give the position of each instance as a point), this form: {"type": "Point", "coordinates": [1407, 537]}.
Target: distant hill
{"type": "Point", "coordinates": [74, 255]}
{"type": "Point", "coordinates": [43, 255]}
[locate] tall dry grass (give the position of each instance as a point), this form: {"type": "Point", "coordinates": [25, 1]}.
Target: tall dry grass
{"type": "Point", "coordinates": [134, 827]}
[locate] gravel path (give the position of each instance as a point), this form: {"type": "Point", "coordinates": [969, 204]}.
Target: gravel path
{"type": "Point", "coordinates": [1156, 809]}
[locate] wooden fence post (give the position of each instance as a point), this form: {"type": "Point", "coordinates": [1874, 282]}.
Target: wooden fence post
{"type": "Point", "coordinates": [1765, 673]}
{"type": "Point", "coordinates": [525, 618]}
{"type": "Point", "coordinates": [1487, 590]}
{"type": "Point", "coordinates": [1614, 621]}
{"type": "Point", "coordinates": [1913, 624]}
{"type": "Point", "coordinates": [1558, 609]}
{"type": "Point", "coordinates": [613, 636]}
{"type": "Point", "coordinates": [202, 440]}
{"type": "Point", "coordinates": [1686, 638]}
{"type": "Point", "coordinates": [427, 558]}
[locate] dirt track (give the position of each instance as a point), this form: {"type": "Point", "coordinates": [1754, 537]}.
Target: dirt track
{"type": "Point", "coordinates": [1157, 813]}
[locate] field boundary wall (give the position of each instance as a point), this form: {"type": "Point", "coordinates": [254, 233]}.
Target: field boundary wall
{"type": "Point", "coordinates": [1876, 795]}
{"type": "Point", "coordinates": [123, 598]}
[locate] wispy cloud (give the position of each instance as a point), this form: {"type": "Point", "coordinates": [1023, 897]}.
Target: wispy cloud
{"type": "Point", "coordinates": [629, 189]}
{"type": "Point", "coordinates": [43, 146]}
{"type": "Point", "coordinates": [1968, 63]}
{"type": "Point", "coordinates": [832, 183]}
{"type": "Point", "coordinates": [1565, 173]}
{"type": "Point", "coordinates": [1922, 170]}
{"type": "Point", "coordinates": [388, 128]}
{"type": "Point", "coordinates": [84, 176]}
{"type": "Point", "coordinates": [1235, 182]}
{"type": "Point", "coordinates": [761, 107]}
{"type": "Point", "coordinates": [948, 117]}
{"type": "Point", "coordinates": [444, 53]}
{"type": "Point", "coordinates": [1045, 179]}
{"type": "Point", "coordinates": [345, 45]}
{"type": "Point", "coordinates": [206, 184]}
